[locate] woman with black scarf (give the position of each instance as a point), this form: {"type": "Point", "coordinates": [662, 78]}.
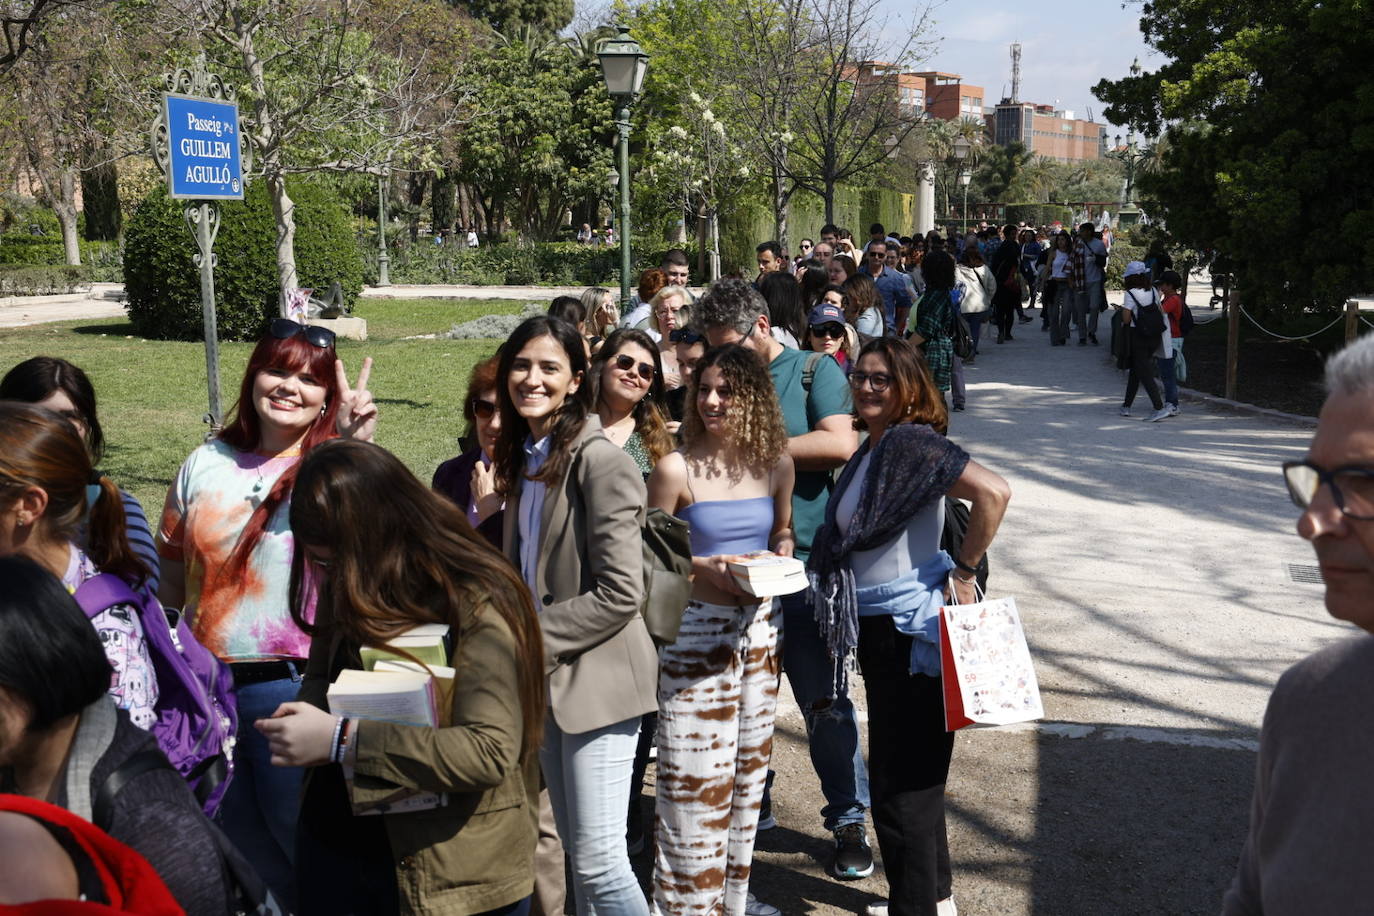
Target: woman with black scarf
{"type": "Point", "coordinates": [879, 578]}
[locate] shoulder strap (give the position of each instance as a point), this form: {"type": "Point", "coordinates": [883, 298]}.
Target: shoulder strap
{"type": "Point", "coordinates": [145, 761]}
{"type": "Point", "coordinates": [809, 370]}
{"type": "Point", "coordinates": [100, 593]}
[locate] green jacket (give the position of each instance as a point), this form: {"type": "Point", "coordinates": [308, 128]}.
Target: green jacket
{"type": "Point", "coordinates": [476, 854]}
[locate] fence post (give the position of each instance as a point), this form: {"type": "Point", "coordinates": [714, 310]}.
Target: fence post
{"type": "Point", "coordinates": [1232, 342]}
{"type": "Point", "coordinates": [1352, 320]}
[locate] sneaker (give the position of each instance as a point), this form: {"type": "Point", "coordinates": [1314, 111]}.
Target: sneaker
{"type": "Point", "coordinates": [1173, 410]}
{"type": "Point", "coordinates": [958, 406]}
{"type": "Point", "coordinates": [1082, 342]}
{"type": "Point", "coordinates": [766, 821]}
{"type": "Point", "coordinates": [853, 857]}
{"type": "Point", "coordinates": [1093, 339]}
{"type": "Point", "coordinates": [1125, 411]}
{"type": "Point", "coordinates": [945, 907]}
{"type": "Point", "coordinates": [753, 906]}
{"type": "Point", "coordinates": [1161, 414]}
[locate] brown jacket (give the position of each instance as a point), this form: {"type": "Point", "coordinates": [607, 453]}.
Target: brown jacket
{"type": "Point", "coordinates": [477, 853]}
{"type": "Point", "coordinates": [601, 661]}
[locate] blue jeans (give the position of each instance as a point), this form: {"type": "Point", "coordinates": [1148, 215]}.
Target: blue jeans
{"type": "Point", "coordinates": [260, 807]}
{"type": "Point", "coordinates": [975, 325]}
{"type": "Point", "coordinates": [1166, 375]}
{"type": "Point", "coordinates": [588, 777]}
{"type": "Point", "coordinates": [832, 730]}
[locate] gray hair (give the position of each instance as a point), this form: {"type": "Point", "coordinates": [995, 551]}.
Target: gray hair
{"type": "Point", "coordinates": [730, 303]}
{"type": "Point", "coordinates": [1351, 371]}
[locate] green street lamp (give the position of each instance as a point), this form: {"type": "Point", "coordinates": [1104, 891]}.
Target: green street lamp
{"type": "Point", "coordinates": [623, 64]}
{"type": "Point", "coordinates": [961, 151]}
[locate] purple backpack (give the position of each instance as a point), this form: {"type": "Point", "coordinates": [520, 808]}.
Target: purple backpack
{"type": "Point", "coordinates": [196, 716]}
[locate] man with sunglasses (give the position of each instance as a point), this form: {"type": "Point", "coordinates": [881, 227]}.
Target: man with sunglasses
{"type": "Point", "coordinates": [892, 285]}
{"type": "Point", "coordinates": [1309, 845]}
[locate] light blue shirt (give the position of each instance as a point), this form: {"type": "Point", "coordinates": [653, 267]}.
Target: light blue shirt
{"type": "Point", "coordinates": [913, 601]}
{"type": "Point", "coordinates": [532, 512]}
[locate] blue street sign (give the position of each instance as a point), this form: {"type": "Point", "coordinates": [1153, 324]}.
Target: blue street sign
{"type": "Point", "coordinates": [204, 161]}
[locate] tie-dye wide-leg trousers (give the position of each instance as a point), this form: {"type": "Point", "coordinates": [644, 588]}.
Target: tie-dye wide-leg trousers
{"type": "Point", "coordinates": [717, 692]}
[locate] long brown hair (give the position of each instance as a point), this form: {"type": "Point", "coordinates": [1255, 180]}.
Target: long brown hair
{"type": "Point", "coordinates": [406, 559]}
{"type": "Point", "coordinates": [243, 427]}
{"type": "Point", "coordinates": [913, 389]}
{"type": "Point", "coordinates": [648, 413]}
{"type": "Point", "coordinates": [39, 448]}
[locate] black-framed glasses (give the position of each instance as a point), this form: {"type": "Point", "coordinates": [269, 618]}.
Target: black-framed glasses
{"type": "Point", "coordinates": [685, 335]}
{"type": "Point", "coordinates": [483, 410]}
{"type": "Point", "coordinates": [878, 381]}
{"type": "Point", "coordinates": [829, 329]}
{"type": "Point", "coordinates": [1352, 488]}
{"type": "Point", "coordinates": [285, 328]}
{"type": "Point", "coordinates": [625, 362]}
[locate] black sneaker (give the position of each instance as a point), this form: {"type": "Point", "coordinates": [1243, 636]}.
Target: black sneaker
{"type": "Point", "coordinates": [634, 830]}
{"type": "Point", "coordinates": [766, 821]}
{"type": "Point", "coordinates": [1093, 338]}
{"type": "Point", "coordinates": [853, 857]}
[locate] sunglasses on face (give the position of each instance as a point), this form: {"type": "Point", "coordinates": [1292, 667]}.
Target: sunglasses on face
{"type": "Point", "coordinates": [805, 247]}
{"type": "Point", "coordinates": [829, 329]}
{"type": "Point", "coordinates": [878, 381]}
{"type": "Point", "coordinates": [625, 362]}
{"type": "Point", "coordinates": [285, 328]}
{"type": "Point", "coordinates": [483, 410]}
{"type": "Point", "coordinates": [685, 335]}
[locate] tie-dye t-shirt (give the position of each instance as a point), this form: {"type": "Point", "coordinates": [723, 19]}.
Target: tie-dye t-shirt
{"type": "Point", "coordinates": [245, 617]}
{"type": "Point", "coordinates": [133, 683]}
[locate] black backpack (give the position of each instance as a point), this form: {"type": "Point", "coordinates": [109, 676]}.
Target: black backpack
{"type": "Point", "coordinates": [251, 896]}
{"type": "Point", "coordinates": [1185, 319]}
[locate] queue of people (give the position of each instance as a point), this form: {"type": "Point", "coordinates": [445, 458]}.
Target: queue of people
{"type": "Point", "coordinates": [804, 413]}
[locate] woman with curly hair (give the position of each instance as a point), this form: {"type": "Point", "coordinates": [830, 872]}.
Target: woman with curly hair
{"type": "Point", "coordinates": [718, 684]}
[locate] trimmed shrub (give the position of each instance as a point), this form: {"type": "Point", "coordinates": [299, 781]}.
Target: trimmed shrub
{"type": "Point", "coordinates": [163, 282]}
{"type": "Point", "coordinates": [511, 264]}
{"type": "Point", "coordinates": [23, 249]}
{"type": "Point", "coordinates": [44, 280]}
{"type": "Point", "coordinates": [1038, 214]}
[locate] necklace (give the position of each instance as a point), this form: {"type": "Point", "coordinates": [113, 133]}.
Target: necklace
{"type": "Point", "coordinates": [257, 496]}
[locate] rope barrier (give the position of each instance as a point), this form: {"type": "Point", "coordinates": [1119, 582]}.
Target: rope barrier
{"type": "Point", "coordinates": [1339, 319]}
{"type": "Point", "coordinates": [1367, 321]}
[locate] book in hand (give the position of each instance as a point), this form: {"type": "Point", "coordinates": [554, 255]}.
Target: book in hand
{"type": "Point", "coordinates": [394, 691]}
{"type": "Point", "coordinates": [764, 574]}
{"type": "Point", "coordinates": [425, 642]}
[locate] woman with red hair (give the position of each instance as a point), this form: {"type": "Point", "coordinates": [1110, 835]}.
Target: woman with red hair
{"type": "Point", "coordinates": [226, 547]}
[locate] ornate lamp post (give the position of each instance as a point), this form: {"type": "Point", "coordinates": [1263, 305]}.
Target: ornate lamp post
{"type": "Point", "coordinates": [1131, 155]}
{"type": "Point", "coordinates": [383, 259]}
{"type": "Point", "coordinates": [961, 151]}
{"type": "Point", "coordinates": [623, 64]}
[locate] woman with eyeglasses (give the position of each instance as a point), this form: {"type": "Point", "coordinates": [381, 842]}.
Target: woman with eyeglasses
{"type": "Point", "coordinates": [732, 482]}
{"type": "Point", "coordinates": [878, 579]}
{"type": "Point", "coordinates": [573, 530]}
{"type": "Point", "coordinates": [469, 479]}
{"type": "Point", "coordinates": [667, 312]}
{"type": "Point", "coordinates": [827, 332]}
{"type": "Point", "coordinates": [226, 547]}
{"type": "Point", "coordinates": [54, 383]}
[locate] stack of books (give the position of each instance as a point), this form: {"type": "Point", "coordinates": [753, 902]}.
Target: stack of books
{"type": "Point", "coordinates": [764, 574]}
{"type": "Point", "coordinates": [393, 688]}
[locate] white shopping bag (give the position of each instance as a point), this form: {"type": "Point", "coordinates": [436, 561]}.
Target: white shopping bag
{"type": "Point", "coordinates": [985, 666]}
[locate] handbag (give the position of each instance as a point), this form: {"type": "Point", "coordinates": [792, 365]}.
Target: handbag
{"type": "Point", "coordinates": [667, 574]}
{"type": "Point", "coordinates": [985, 666]}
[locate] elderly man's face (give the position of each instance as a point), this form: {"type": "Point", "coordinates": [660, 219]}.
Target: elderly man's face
{"type": "Point", "coordinates": [1344, 545]}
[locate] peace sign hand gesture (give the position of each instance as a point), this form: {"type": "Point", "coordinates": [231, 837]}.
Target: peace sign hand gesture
{"type": "Point", "coordinates": [357, 416]}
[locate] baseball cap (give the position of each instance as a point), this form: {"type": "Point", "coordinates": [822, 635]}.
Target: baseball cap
{"type": "Point", "coordinates": [824, 313]}
{"type": "Point", "coordinates": [1136, 268]}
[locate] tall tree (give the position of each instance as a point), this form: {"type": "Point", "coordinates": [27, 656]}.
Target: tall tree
{"type": "Point", "coordinates": [331, 85]}
{"type": "Point", "coordinates": [1269, 121]}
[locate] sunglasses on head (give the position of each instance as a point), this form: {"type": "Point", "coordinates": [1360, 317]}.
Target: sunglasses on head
{"type": "Point", "coordinates": [285, 328]}
{"type": "Point", "coordinates": [483, 410]}
{"type": "Point", "coordinates": [829, 329]}
{"type": "Point", "coordinates": [685, 335]}
{"type": "Point", "coordinates": [625, 362]}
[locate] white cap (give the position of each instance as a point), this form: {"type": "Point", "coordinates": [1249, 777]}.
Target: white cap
{"type": "Point", "coordinates": [1135, 268]}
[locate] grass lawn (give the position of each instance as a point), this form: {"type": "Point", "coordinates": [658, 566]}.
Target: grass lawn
{"type": "Point", "coordinates": [152, 394]}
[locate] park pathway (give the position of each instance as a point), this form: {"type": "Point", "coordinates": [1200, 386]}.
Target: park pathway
{"type": "Point", "coordinates": [1148, 562]}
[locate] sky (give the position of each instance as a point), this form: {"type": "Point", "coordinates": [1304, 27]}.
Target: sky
{"type": "Point", "coordinates": [1066, 46]}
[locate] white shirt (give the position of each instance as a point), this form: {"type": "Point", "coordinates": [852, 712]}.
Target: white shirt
{"type": "Point", "coordinates": [1060, 269]}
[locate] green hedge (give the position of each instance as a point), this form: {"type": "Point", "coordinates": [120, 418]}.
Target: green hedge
{"type": "Point", "coordinates": [44, 280]}
{"type": "Point", "coordinates": [163, 283]}
{"type": "Point", "coordinates": [1038, 214]}
{"type": "Point", "coordinates": [855, 209]}
{"type": "Point", "coordinates": [24, 250]}
{"type": "Point", "coordinates": [537, 264]}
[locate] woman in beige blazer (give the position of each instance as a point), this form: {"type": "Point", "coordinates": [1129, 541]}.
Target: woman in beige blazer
{"type": "Point", "coordinates": [574, 511]}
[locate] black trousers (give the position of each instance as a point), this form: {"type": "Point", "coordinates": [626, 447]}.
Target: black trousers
{"type": "Point", "coordinates": [1140, 371]}
{"type": "Point", "coordinates": [908, 762]}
